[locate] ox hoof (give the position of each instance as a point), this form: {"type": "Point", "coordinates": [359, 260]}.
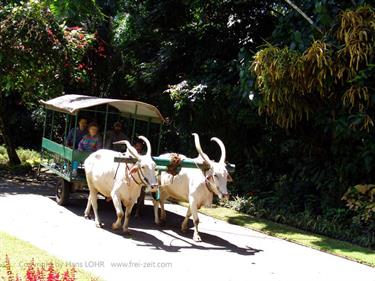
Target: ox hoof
{"type": "Point", "coordinates": [115, 226]}
{"type": "Point", "coordinates": [99, 224]}
{"type": "Point", "coordinates": [88, 217]}
{"type": "Point", "coordinates": [197, 238]}
{"type": "Point", "coordinates": [127, 232]}
{"type": "Point", "coordinates": [184, 229]}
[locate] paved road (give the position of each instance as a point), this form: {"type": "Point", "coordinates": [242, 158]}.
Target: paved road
{"type": "Point", "coordinates": [229, 252]}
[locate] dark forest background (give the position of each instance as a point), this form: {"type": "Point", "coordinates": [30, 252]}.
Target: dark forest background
{"type": "Point", "coordinates": [291, 94]}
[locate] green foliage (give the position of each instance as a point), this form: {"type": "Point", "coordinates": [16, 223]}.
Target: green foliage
{"type": "Point", "coordinates": [38, 58]}
{"type": "Point", "coordinates": [76, 12]}
{"type": "Point", "coordinates": [294, 85]}
{"type": "Point", "coordinates": [3, 155]}
{"type": "Point", "coordinates": [36, 53]}
{"type": "Point", "coordinates": [360, 199]}
{"type": "Point", "coordinates": [316, 90]}
{"type": "Point", "coordinates": [195, 66]}
{"type": "Point", "coordinates": [31, 49]}
{"type": "Point", "coordinates": [28, 156]}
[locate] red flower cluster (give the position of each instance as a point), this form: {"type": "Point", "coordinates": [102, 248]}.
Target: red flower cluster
{"type": "Point", "coordinates": [35, 273]}
{"type": "Point", "coordinates": [52, 37]}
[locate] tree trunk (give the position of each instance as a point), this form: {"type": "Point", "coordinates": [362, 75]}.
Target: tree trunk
{"type": "Point", "coordinates": [10, 147]}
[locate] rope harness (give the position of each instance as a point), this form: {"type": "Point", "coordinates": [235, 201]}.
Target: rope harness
{"type": "Point", "coordinates": [142, 179]}
{"type": "Point", "coordinates": [141, 176]}
{"type": "Point", "coordinates": [204, 168]}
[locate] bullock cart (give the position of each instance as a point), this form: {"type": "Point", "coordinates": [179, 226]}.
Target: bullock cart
{"type": "Point", "coordinates": [63, 113]}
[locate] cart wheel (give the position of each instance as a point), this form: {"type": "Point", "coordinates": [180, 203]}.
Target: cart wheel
{"type": "Point", "coordinates": [62, 192]}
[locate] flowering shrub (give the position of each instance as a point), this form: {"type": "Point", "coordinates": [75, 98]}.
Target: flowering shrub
{"type": "Point", "coordinates": [35, 273]}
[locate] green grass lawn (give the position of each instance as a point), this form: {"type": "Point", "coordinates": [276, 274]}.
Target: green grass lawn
{"type": "Point", "coordinates": [21, 253]}
{"type": "Point", "coordinates": [315, 241]}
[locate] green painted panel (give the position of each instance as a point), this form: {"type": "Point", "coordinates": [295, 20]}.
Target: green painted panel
{"type": "Point", "coordinates": [61, 150]}
{"type": "Point", "coordinates": [64, 151]}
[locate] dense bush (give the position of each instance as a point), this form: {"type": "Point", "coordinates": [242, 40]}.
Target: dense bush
{"type": "Point", "coordinates": [319, 93]}
{"type": "Point", "coordinates": [39, 58]}
{"type": "Point", "coordinates": [27, 156]}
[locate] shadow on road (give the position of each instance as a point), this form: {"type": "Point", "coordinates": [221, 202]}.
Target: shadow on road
{"type": "Point", "coordinates": [27, 185]}
{"type": "Point", "coordinates": [171, 231]}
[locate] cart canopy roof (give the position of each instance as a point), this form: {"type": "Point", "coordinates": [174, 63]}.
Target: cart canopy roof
{"type": "Point", "coordinates": [72, 104]}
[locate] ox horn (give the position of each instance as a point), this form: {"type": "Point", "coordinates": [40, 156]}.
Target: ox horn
{"type": "Point", "coordinates": [148, 144]}
{"type": "Point", "coordinates": [199, 148]}
{"type": "Point", "coordinates": [131, 149]}
{"type": "Point", "coordinates": [222, 148]}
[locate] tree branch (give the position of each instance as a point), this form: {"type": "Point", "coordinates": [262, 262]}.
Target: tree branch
{"type": "Point", "coordinates": [302, 13]}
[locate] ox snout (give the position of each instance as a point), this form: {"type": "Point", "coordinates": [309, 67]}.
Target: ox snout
{"type": "Point", "coordinates": [223, 196]}
{"type": "Point", "coordinates": [154, 187]}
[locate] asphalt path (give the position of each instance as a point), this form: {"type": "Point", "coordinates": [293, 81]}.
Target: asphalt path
{"type": "Point", "coordinates": [228, 252]}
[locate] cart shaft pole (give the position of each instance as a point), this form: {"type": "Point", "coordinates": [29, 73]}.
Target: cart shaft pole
{"type": "Point", "coordinates": [53, 120]}
{"type": "Point", "coordinates": [45, 122]}
{"type": "Point", "coordinates": [67, 121]}
{"type": "Point", "coordinates": [159, 141]}
{"type": "Point", "coordinates": [134, 122]}
{"type": "Point", "coordinates": [105, 126]}
{"type": "Point", "coordinates": [75, 131]}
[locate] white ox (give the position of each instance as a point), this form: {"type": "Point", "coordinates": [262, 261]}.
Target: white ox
{"type": "Point", "coordinates": [120, 181]}
{"type": "Point", "coordinates": [194, 186]}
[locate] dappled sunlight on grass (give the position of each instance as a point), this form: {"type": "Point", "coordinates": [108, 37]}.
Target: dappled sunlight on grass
{"type": "Point", "coordinates": [27, 156]}
{"type": "Point", "coordinates": [315, 241]}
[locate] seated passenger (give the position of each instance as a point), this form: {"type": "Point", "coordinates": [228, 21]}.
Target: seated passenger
{"type": "Point", "coordinates": [139, 145]}
{"type": "Point", "coordinates": [80, 131]}
{"type": "Point", "coordinates": [116, 134]}
{"type": "Point", "coordinates": [92, 141]}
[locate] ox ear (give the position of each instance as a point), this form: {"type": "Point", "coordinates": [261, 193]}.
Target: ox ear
{"type": "Point", "coordinates": [134, 169]}
{"type": "Point", "coordinates": [229, 178]}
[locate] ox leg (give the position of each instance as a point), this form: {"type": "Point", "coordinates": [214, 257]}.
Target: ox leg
{"type": "Point", "coordinates": [94, 203]}
{"type": "Point", "coordinates": [140, 202]}
{"type": "Point", "coordinates": [184, 225]}
{"type": "Point", "coordinates": [128, 212]}
{"type": "Point", "coordinates": [194, 211]}
{"type": "Point", "coordinates": [156, 211]}
{"type": "Point", "coordinates": [119, 211]}
{"type": "Point", "coordinates": [88, 208]}
{"type": "Point", "coordinates": [162, 211]}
